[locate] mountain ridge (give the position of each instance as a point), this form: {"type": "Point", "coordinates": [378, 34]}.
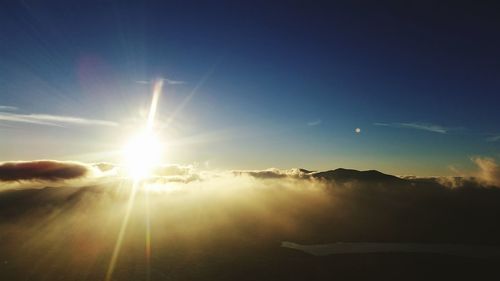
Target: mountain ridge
{"type": "Point", "coordinates": [345, 175]}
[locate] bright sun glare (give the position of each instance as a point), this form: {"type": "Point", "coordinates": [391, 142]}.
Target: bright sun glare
{"type": "Point", "coordinates": [144, 151]}
{"type": "Point", "coordinates": [142, 154]}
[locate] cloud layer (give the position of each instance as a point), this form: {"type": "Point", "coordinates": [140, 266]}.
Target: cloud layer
{"type": "Point", "coordinates": [36, 173]}
{"type": "Point", "coordinates": [224, 216]}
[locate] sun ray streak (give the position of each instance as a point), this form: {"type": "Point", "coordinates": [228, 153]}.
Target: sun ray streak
{"type": "Point", "coordinates": [154, 104]}
{"type": "Point", "coordinates": [187, 99]}
{"type": "Point", "coordinates": [123, 229]}
{"type": "Point", "coordinates": [148, 236]}
{"type": "Point", "coordinates": [137, 183]}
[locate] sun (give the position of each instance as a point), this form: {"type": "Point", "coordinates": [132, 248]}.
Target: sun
{"type": "Point", "coordinates": [142, 154]}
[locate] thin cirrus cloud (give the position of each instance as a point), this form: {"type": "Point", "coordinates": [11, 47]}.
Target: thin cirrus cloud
{"type": "Point", "coordinates": [493, 138]}
{"type": "Point", "coordinates": [8, 108]}
{"type": "Point", "coordinates": [166, 80]}
{"type": "Point", "coordinates": [314, 123]}
{"type": "Point", "coordinates": [417, 126]}
{"type": "Point", "coordinates": [52, 120]}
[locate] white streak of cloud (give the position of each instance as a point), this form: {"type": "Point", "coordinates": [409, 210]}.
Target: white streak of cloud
{"type": "Point", "coordinates": [52, 120]}
{"type": "Point", "coordinates": [493, 138]}
{"type": "Point", "coordinates": [166, 80]}
{"type": "Point", "coordinates": [8, 108]}
{"type": "Point", "coordinates": [314, 123]}
{"type": "Point", "coordinates": [417, 126]}
{"type": "Point", "coordinates": [173, 82]}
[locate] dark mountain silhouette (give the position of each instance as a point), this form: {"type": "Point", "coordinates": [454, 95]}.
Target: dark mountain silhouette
{"type": "Point", "coordinates": [348, 175]}
{"type": "Point", "coordinates": [306, 171]}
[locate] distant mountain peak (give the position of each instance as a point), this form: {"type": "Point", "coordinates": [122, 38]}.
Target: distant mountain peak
{"type": "Point", "coordinates": [305, 171]}
{"type": "Point", "coordinates": [344, 175]}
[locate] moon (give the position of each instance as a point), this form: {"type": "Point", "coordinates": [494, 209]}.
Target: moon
{"type": "Point", "coordinates": [357, 130]}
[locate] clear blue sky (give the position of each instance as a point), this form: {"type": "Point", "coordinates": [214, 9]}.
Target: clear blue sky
{"type": "Point", "coordinates": [266, 84]}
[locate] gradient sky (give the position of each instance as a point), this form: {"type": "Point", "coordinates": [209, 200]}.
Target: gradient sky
{"type": "Point", "coordinates": [264, 84]}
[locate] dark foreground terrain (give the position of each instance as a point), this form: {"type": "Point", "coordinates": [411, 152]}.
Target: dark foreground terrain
{"type": "Point", "coordinates": [235, 233]}
{"type": "Point", "coordinates": [250, 262]}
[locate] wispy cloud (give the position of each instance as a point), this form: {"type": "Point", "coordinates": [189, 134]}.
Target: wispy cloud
{"type": "Point", "coordinates": [8, 108]}
{"type": "Point", "coordinates": [489, 170]}
{"type": "Point", "coordinates": [314, 123]}
{"type": "Point", "coordinates": [417, 126]}
{"type": "Point", "coordinates": [493, 138]}
{"type": "Point", "coordinates": [166, 80]}
{"type": "Point", "coordinates": [52, 120]}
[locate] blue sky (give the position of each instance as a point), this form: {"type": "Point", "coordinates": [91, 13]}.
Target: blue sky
{"type": "Point", "coordinates": [267, 84]}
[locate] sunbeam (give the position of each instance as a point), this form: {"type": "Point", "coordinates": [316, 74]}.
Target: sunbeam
{"type": "Point", "coordinates": [141, 154]}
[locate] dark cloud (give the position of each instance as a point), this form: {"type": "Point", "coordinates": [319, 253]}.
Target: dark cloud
{"type": "Point", "coordinates": [42, 170]}
{"type": "Point", "coordinates": [274, 173]}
